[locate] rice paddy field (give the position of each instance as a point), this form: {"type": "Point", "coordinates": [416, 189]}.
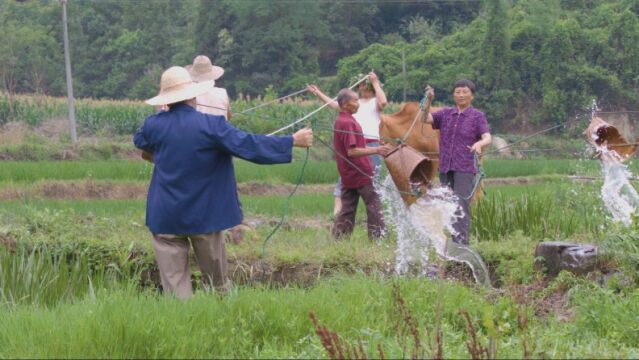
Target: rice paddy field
{"type": "Point", "coordinates": [78, 277]}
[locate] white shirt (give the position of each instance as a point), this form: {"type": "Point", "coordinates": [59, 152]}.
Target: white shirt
{"type": "Point", "coordinates": [214, 102]}
{"type": "Point", "coordinates": [368, 118]}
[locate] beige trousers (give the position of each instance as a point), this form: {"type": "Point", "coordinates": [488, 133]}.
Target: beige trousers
{"type": "Point", "coordinates": [172, 256]}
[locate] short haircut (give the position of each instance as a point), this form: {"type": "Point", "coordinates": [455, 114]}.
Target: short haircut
{"type": "Point", "coordinates": [344, 96]}
{"type": "Point", "coordinates": [464, 83]}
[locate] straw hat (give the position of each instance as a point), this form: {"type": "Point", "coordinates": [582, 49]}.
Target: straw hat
{"type": "Point", "coordinates": [176, 85]}
{"type": "Point", "coordinates": [203, 70]}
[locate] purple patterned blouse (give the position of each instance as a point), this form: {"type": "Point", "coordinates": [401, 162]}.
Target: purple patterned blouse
{"type": "Point", "coordinates": [457, 133]}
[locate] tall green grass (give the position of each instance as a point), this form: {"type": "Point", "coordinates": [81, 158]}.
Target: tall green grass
{"type": "Point", "coordinates": [508, 223]}
{"type": "Point", "coordinates": [270, 206]}
{"type": "Point", "coordinates": [123, 238]}
{"type": "Point", "coordinates": [38, 277]}
{"type": "Point", "coordinates": [260, 322]}
{"type": "Point", "coordinates": [610, 315]}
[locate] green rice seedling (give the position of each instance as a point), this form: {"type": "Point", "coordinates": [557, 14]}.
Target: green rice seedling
{"type": "Point", "coordinates": [316, 172]}
{"type": "Point", "coordinates": [558, 211]}
{"type": "Point", "coordinates": [70, 170]}
{"type": "Point", "coordinates": [497, 168]}
{"type": "Point", "coordinates": [29, 172]}
{"type": "Point", "coordinates": [299, 206]}
{"type": "Point", "coordinates": [132, 209]}
{"type": "Point", "coordinates": [303, 207]}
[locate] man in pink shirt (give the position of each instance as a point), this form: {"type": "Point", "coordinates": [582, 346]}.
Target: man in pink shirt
{"type": "Point", "coordinates": [356, 170]}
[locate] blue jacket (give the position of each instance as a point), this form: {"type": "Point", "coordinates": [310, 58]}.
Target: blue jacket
{"type": "Point", "coordinates": [193, 189]}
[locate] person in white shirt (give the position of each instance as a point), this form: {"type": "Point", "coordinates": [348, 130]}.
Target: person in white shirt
{"type": "Point", "coordinates": [372, 101]}
{"type": "Point", "coordinates": [215, 101]}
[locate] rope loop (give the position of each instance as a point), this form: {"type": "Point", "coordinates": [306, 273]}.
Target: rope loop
{"type": "Point", "coordinates": [422, 103]}
{"type": "Point", "coordinates": [478, 177]}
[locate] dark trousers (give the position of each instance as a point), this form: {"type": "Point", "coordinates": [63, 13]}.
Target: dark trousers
{"type": "Point", "coordinates": [345, 221]}
{"type": "Point", "coordinates": [462, 185]}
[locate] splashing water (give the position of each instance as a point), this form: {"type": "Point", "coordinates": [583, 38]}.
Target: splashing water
{"type": "Point", "coordinates": [594, 108]}
{"type": "Point", "coordinates": [617, 193]}
{"type": "Point", "coordinates": [422, 228]}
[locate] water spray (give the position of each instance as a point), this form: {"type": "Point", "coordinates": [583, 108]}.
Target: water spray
{"type": "Point", "coordinates": [423, 216]}
{"type": "Point", "coordinates": [612, 149]}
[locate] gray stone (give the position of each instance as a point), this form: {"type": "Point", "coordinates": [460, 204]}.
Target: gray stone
{"type": "Point", "coordinates": [554, 256]}
{"type": "Point", "coordinates": [501, 145]}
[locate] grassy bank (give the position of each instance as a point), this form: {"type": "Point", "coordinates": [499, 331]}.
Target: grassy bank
{"type": "Point", "coordinates": [507, 224]}
{"type": "Point", "coordinates": [268, 323]}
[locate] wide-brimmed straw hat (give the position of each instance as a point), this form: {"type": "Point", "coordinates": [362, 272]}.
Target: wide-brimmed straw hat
{"type": "Point", "coordinates": [176, 85]}
{"type": "Point", "coordinates": [203, 69]}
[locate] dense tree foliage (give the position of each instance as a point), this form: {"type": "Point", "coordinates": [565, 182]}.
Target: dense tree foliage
{"type": "Point", "coordinates": [534, 62]}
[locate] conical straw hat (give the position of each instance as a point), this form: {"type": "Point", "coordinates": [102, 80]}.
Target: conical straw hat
{"type": "Point", "coordinates": [203, 69]}
{"type": "Point", "coordinates": [176, 85]}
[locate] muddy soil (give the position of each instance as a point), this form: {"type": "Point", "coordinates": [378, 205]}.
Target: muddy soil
{"type": "Point", "coordinates": [95, 190]}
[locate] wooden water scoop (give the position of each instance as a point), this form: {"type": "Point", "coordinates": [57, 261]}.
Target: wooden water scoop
{"type": "Point", "coordinates": [409, 170]}
{"type": "Point", "coordinates": [603, 135]}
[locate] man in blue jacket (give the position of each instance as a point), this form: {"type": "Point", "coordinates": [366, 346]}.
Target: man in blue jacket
{"type": "Point", "coordinates": [193, 195]}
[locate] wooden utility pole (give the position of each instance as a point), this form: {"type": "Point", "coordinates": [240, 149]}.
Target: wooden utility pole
{"type": "Point", "coordinates": [404, 74]}
{"type": "Point", "coordinates": [67, 65]}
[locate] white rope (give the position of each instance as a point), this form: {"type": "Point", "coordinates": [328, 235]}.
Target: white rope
{"type": "Point", "coordinates": [314, 111]}
{"type": "Point", "coordinates": [426, 110]}
{"type": "Point", "coordinates": [272, 101]}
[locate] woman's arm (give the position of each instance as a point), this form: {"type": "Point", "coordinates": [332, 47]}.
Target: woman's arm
{"type": "Point", "coordinates": [424, 112]}
{"type": "Point", "coordinates": [369, 150]}
{"type": "Point", "coordinates": [379, 93]}
{"type": "Point", "coordinates": [317, 92]}
{"type": "Point", "coordinates": [486, 139]}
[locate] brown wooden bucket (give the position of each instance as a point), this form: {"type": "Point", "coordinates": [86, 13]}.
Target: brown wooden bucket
{"type": "Point", "coordinates": [600, 133]}
{"type": "Point", "coordinates": [409, 170]}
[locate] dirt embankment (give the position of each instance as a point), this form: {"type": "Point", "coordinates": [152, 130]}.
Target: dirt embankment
{"type": "Point", "coordinates": [96, 190]}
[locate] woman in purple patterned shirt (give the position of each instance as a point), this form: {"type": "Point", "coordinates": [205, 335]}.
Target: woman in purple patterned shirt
{"type": "Point", "coordinates": [463, 132]}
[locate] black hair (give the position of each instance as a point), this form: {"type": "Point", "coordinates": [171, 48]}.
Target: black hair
{"type": "Point", "coordinates": [170, 106]}
{"type": "Point", "coordinates": [464, 83]}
